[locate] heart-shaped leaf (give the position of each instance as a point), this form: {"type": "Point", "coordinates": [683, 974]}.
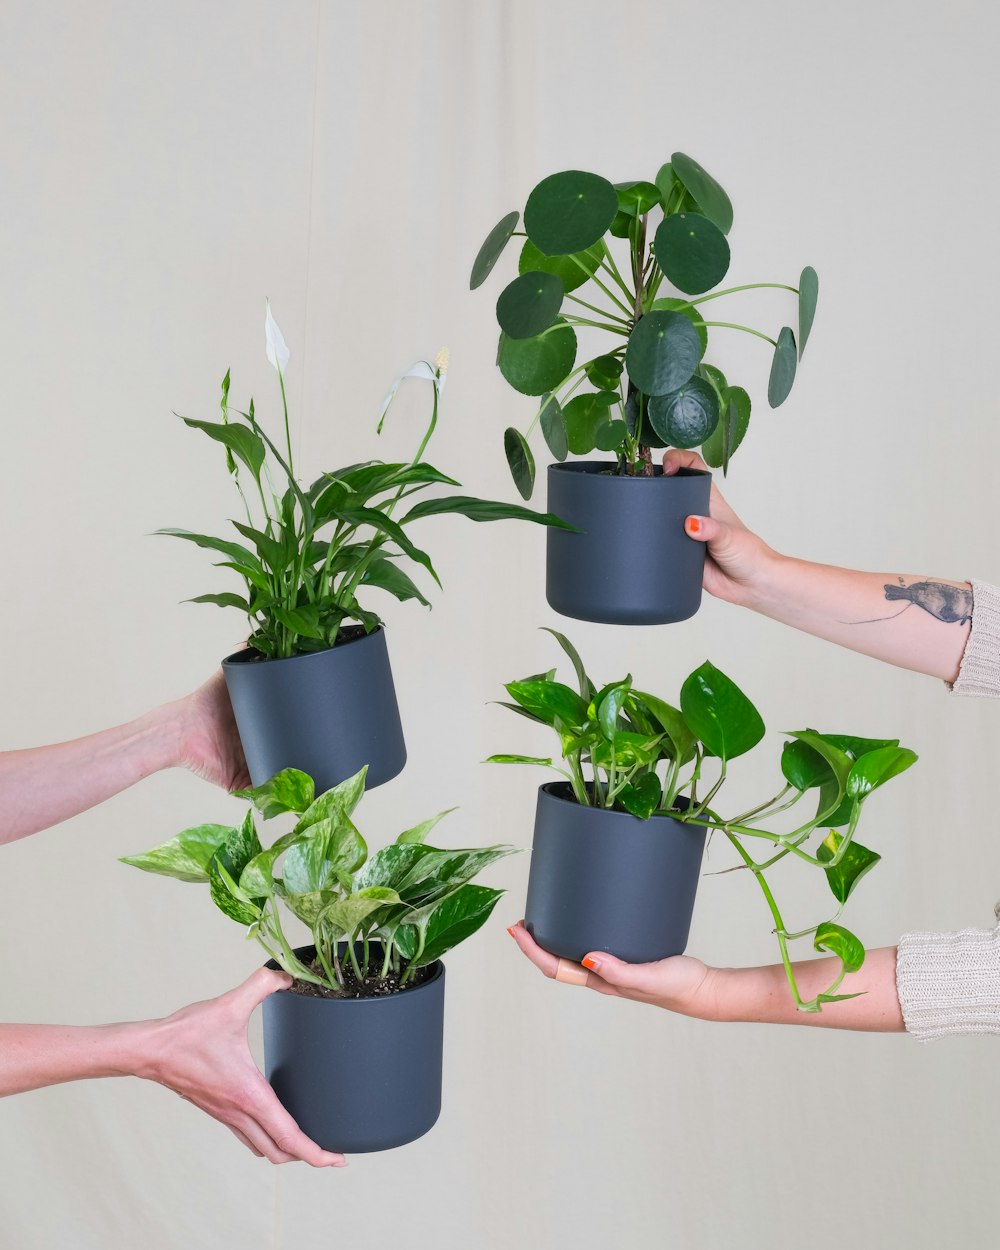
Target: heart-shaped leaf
{"type": "Point", "coordinates": [287, 791]}
{"type": "Point", "coordinates": [663, 352]}
{"type": "Point", "coordinates": [642, 796]}
{"type": "Point", "coordinates": [550, 701]}
{"type": "Point", "coordinates": [534, 366]}
{"type": "Point", "coordinates": [529, 304]}
{"type": "Point", "coordinates": [692, 252]}
{"type": "Point", "coordinates": [718, 713]}
{"type": "Point", "coordinates": [842, 943]}
{"type": "Point", "coordinates": [711, 198]}
{"type": "Point", "coordinates": [845, 875]}
{"type": "Point", "coordinates": [876, 768]}
{"type": "Point", "coordinates": [185, 857]}
{"type": "Point", "coordinates": [489, 253]}
{"type": "Point", "coordinates": [569, 211]}
{"type": "Point", "coordinates": [779, 384]}
{"type": "Point", "coordinates": [686, 417]}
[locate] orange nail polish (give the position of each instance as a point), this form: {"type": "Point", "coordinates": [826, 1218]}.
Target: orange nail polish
{"type": "Point", "coordinates": [511, 930]}
{"type": "Point", "coordinates": [590, 962]}
{"type": "Point", "coordinates": [693, 525]}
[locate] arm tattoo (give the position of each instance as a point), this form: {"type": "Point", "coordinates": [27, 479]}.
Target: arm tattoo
{"type": "Point", "coordinates": [950, 604]}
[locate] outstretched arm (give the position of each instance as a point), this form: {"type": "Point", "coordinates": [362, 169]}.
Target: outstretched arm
{"type": "Point", "coordinates": [200, 1052]}
{"type": "Point", "coordinates": [42, 786]}
{"type": "Point", "coordinates": [911, 620]}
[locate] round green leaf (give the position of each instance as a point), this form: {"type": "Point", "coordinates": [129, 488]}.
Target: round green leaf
{"type": "Point", "coordinates": [573, 270]}
{"type": "Point", "coordinates": [711, 198]}
{"type": "Point", "coordinates": [692, 251]}
{"type": "Point", "coordinates": [489, 253]}
{"type": "Point", "coordinates": [719, 714]}
{"type": "Point", "coordinates": [636, 198]}
{"type": "Point", "coordinates": [610, 435]}
{"type": "Point", "coordinates": [554, 427]}
{"type": "Point", "coordinates": [621, 224]}
{"type": "Point", "coordinates": [529, 304]}
{"type": "Point", "coordinates": [663, 352]}
{"type": "Point", "coordinates": [779, 384]}
{"type": "Point", "coordinates": [569, 212]}
{"type": "Point", "coordinates": [687, 416]}
{"type": "Point", "coordinates": [604, 372]}
{"type": "Point", "coordinates": [584, 415]}
{"type": "Point", "coordinates": [666, 181]}
{"type": "Point", "coordinates": [808, 294]}
{"type": "Point", "coordinates": [731, 430]}
{"type": "Point", "coordinates": [534, 366]}
{"type": "Point", "coordinates": [670, 303]}
{"type": "Point", "coordinates": [521, 461]}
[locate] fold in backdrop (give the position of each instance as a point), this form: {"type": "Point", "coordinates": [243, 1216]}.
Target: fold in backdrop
{"type": "Point", "coordinates": [166, 167]}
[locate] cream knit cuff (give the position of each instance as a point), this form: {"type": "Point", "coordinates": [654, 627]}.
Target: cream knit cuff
{"type": "Point", "coordinates": [949, 983]}
{"type": "Point", "coordinates": [979, 673]}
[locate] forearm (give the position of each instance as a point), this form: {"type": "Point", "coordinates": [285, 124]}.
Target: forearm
{"type": "Point", "coordinates": [35, 1055]}
{"type": "Point", "coordinates": [42, 786]}
{"type": "Point", "coordinates": [762, 996]}
{"type": "Point", "coordinates": [912, 621]}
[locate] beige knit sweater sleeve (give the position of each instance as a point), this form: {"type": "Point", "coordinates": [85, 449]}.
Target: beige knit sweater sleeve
{"type": "Point", "coordinates": [950, 982]}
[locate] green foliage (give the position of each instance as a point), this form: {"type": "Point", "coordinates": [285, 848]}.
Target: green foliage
{"type": "Point", "coordinates": [410, 902]}
{"type": "Point", "coordinates": [623, 749]}
{"type": "Point", "coordinates": [310, 555]}
{"type": "Point", "coordinates": [602, 257]}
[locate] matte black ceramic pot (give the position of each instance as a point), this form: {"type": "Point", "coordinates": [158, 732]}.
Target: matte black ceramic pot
{"type": "Point", "coordinates": [357, 1074]}
{"type": "Point", "coordinates": [327, 713]}
{"type": "Point", "coordinates": [631, 562]}
{"type": "Point", "coordinates": [607, 881]}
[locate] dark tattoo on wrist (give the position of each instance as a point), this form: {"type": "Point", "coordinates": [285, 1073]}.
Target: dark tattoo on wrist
{"type": "Point", "coordinates": [950, 604]}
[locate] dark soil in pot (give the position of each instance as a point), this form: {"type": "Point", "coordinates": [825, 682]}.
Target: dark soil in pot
{"type": "Point", "coordinates": [605, 880]}
{"type": "Point", "coordinates": [326, 713]}
{"type": "Point", "coordinates": [631, 562]}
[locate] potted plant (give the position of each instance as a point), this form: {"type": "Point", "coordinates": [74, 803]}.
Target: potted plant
{"type": "Point", "coordinates": [353, 1048]}
{"type": "Point", "coordinates": [618, 843]}
{"type": "Point", "coordinates": [313, 688]}
{"type": "Point", "coordinates": [647, 386]}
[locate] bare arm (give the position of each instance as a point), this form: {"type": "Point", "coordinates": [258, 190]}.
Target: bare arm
{"type": "Point", "coordinates": [758, 995]}
{"type": "Point", "coordinates": [910, 620]}
{"type": "Point", "coordinates": [200, 1052]}
{"type": "Point", "coordinates": [41, 786]}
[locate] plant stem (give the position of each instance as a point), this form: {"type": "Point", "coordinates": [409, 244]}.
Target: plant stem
{"type": "Point", "coordinates": [570, 319]}
{"type": "Point", "coordinates": [779, 924]}
{"type": "Point", "coordinates": [609, 293]}
{"type": "Point", "coordinates": [595, 308]}
{"type": "Point", "coordinates": [731, 325]}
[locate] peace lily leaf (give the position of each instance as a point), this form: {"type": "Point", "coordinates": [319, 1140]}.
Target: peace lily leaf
{"type": "Point", "coordinates": [731, 430]}
{"type": "Point", "coordinates": [569, 212]}
{"type": "Point", "coordinates": [340, 800]}
{"type": "Point", "coordinates": [692, 252]}
{"type": "Point", "coordinates": [494, 244]}
{"type": "Point", "coordinates": [549, 701]}
{"type": "Point", "coordinates": [447, 923]}
{"type": "Point", "coordinates": [586, 685]}
{"type": "Point", "coordinates": [243, 443]}
{"type": "Point", "coordinates": [384, 575]}
{"type": "Point", "coordinates": [719, 713]}
{"type": "Point", "coordinates": [711, 198]}
{"type": "Point", "coordinates": [663, 352]}
{"type": "Point", "coordinates": [534, 366]}
{"type": "Point", "coordinates": [782, 375]}
{"type": "Point", "coordinates": [876, 768]}
{"type": "Point", "coordinates": [529, 304]}
{"type": "Point", "coordinates": [604, 372]}
{"type": "Point", "coordinates": [670, 303]}
{"type": "Point", "coordinates": [186, 856]}
{"type": "Point", "coordinates": [583, 417]}
{"type": "Point", "coordinates": [553, 426]}
{"type": "Point", "coordinates": [419, 832]}
{"type": "Point", "coordinates": [517, 759]}
{"type": "Point", "coordinates": [685, 417]}
{"type": "Point", "coordinates": [842, 943]}
{"type": "Point", "coordinates": [287, 791]}
{"type": "Point", "coordinates": [241, 555]}
{"type": "Point", "coordinates": [845, 875]}
{"type": "Point", "coordinates": [673, 724]}
{"type": "Point", "coordinates": [277, 351]}
{"type": "Point", "coordinates": [305, 621]}
{"type": "Point", "coordinates": [222, 601]}
{"type": "Point", "coordinates": [482, 510]}
{"type": "Point", "coordinates": [520, 461]}
{"type": "Point", "coordinates": [642, 796]}
{"type": "Point", "coordinates": [808, 294]}
{"type": "Point", "coordinates": [573, 270]}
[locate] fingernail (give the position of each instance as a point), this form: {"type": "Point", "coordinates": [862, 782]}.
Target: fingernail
{"type": "Point", "coordinates": [590, 962]}
{"type": "Point", "coordinates": [693, 525]}
{"type": "Point", "coordinates": [511, 930]}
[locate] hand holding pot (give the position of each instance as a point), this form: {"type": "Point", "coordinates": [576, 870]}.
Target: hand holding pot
{"type": "Point", "coordinates": [210, 742]}
{"type": "Point", "coordinates": [201, 1053]}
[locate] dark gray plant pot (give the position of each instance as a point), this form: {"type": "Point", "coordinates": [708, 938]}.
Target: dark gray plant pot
{"type": "Point", "coordinates": [631, 563]}
{"type": "Point", "coordinates": [327, 713]}
{"type": "Point", "coordinates": [357, 1074]}
{"type": "Point", "coordinates": [607, 881]}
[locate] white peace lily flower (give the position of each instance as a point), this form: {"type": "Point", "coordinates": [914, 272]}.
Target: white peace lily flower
{"type": "Point", "coordinates": [277, 349]}
{"type": "Point", "coordinates": [421, 369]}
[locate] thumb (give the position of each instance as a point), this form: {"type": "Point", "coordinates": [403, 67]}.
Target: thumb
{"type": "Point", "coordinates": [706, 529]}
{"type": "Point", "coordinates": [260, 985]}
{"type": "Point", "coordinates": [637, 978]}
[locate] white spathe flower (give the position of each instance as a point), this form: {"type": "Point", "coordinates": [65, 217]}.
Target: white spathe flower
{"type": "Point", "coordinates": [277, 349]}
{"type": "Point", "coordinates": [435, 373]}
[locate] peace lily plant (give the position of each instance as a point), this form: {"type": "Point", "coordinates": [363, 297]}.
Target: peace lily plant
{"type": "Point", "coordinates": [637, 264]}
{"type": "Point", "coordinates": [622, 749]}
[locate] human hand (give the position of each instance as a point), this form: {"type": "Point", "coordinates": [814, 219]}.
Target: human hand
{"type": "Point", "coordinates": [680, 984]}
{"type": "Point", "coordinates": [738, 561]}
{"type": "Point", "coordinates": [201, 1053]}
{"type": "Point", "coordinates": [209, 740]}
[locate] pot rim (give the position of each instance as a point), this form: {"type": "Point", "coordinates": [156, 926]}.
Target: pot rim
{"type": "Point", "coordinates": [548, 788]}
{"type": "Point", "coordinates": [237, 657]}
{"type": "Point", "coordinates": [590, 468]}
{"type": "Point", "coordinates": [436, 975]}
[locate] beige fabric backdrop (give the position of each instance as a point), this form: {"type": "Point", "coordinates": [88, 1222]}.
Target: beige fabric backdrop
{"type": "Point", "coordinates": [166, 166]}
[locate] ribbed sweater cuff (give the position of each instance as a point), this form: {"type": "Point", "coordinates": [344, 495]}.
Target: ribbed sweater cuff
{"type": "Point", "coordinates": [949, 983]}
{"type": "Point", "coordinates": [979, 673]}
